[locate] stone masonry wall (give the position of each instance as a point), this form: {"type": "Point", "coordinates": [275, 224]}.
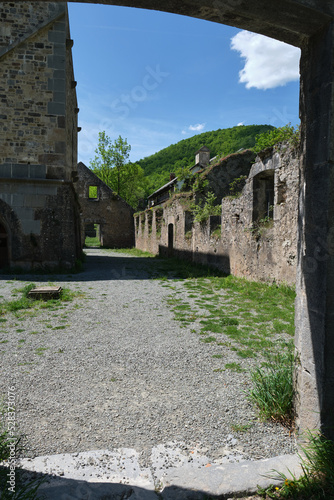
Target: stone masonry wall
{"type": "Point", "coordinates": [260, 247]}
{"type": "Point", "coordinates": [112, 213]}
{"type": "Point", "coordinates": [38, 140]}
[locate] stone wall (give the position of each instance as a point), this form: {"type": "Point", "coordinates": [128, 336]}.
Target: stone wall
{"type": "Point", "coordinates": [256, 235]}
{"type": "Point", "coordinates": [38, 142]}
{"type": "Point", "coordinates": [100, 205]}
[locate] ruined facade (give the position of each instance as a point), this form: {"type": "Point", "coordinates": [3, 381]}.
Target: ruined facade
{"type": "Point", "coordinates": [256, 234]}
{"type": "Point", "coordinates": [39, 214]}
{"type": "Point", "coordinates": [100, 206]}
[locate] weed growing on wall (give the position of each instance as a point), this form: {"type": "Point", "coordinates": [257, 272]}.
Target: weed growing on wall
{"type": "Point", "coordinates": [270, 139]}
{"type": "Point", "coordinates": [203, 210]}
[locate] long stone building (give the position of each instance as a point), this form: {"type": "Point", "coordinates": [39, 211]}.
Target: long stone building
{"type": "Point", "coordinates": [256, 233]}
{"type": "Point", "coordinates": [39, 214]}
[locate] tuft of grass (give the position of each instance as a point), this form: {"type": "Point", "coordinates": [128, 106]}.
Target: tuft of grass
{"type": "Point", "coordinates": [240, 427]}
{"type": "Point", "coordinates": [273, 391]}
{"type": "Point", "coordinates": [234, 367]}
{"type": "Point", "coordinates": [317, 480]}
{"type": "Point", "coordinates": [208, 340]}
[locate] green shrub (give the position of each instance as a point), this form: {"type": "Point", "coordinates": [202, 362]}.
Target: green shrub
{"type": "Point", "coordinates": [269, 139]}
{"type": "Point", "coordinates": [203, 211]}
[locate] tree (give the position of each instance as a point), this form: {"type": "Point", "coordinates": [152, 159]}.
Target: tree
{"type": "Point", "coordinates": [111, 166]}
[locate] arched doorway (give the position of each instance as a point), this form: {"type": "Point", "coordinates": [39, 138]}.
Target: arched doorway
{"type": "Point", "coordinates": [4, 260]}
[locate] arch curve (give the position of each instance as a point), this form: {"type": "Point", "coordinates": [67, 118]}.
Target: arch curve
{"type": "Point", "coordinates": [291, 21]}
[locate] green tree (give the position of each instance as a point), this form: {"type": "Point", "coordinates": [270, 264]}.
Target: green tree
{"type": "Point", "coordinates": [112, 167]}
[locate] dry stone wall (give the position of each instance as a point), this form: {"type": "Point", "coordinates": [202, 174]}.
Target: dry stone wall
{"type": "Point", "coordinates": [256, 235]}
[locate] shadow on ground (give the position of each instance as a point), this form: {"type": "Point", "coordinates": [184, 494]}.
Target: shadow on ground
{"type": "Point", "coordinates": [101, 266]}
{"type": "Point", "coordinates": [59, 488]}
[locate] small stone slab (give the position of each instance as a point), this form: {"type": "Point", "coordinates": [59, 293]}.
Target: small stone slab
{"type": "Point", "coordinates": [45, 292]}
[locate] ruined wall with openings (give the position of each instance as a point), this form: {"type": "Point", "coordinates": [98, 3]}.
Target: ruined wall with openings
{"type": "Point", "coordinates": [38, 141]}
{"type": "Point", "coordinates": [101, 206]}
{"type": "Point", "coordinates": [256, 234]}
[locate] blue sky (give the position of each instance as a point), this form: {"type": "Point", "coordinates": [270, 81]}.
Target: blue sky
{"type": "Point", "coordinates": [156, 78]}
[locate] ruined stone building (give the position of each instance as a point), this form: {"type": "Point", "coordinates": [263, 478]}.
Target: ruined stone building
{"type": "Point", "coordinates": [39, 214]}
{"type": "Point", "coordinates": [255, 235]}
{"type": "Point", "coordinates": [100, 206]}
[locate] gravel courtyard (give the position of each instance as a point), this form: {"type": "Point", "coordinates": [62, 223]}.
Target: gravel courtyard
{"type": "Point", "coordinates": [113, 369]}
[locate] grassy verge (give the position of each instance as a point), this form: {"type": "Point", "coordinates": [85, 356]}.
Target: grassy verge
{"type": "Point", "coordinates": [252, 319]}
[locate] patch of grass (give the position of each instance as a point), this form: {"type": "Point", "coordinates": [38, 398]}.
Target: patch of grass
{"type": "Point", "coordinates": [273, 391]}
{"type": "Point", "coordinates": [135, 252]}
{"type": "Point", "coordinates": [234, 367]}
{"type": "Point", "coordinates": [240, 427]}
{"type": "Point", "coordinates": [208, 340]}
{"type": "Point", "coordinates": [218, 356]}
{"type": "Point", "coordinates": [40, 350]}
{"type": "Point", "coordinates": [212, 326]}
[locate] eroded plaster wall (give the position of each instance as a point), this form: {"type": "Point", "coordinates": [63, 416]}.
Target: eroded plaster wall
{"type": "Point", "coordinates": [260, 247]}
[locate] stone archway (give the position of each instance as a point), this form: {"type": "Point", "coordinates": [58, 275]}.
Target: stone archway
{"type": "Point", "coordinates": [308, 24]}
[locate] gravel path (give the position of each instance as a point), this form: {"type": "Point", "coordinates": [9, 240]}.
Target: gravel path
{"type": "Point", "coordinates": [113, 369]}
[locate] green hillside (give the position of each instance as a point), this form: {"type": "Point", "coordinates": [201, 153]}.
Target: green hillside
{"type": "Point", "coordinates": [177, 156]}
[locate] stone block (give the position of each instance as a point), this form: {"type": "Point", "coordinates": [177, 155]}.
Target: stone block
{"type": "Point", "coordinates": [37, 189]}
{"type": "Point", "coordinates": [24, 213]}
{"type": "Point", "coordinates": [56, 36]}
{"type": "Point", "coordinates": [58, 85]}
{"type": "Point", "coordinates": [6, 170]}
{"type": "Point", "coordinates": [31, 226]}
{"type": "Point", "coordinates": [59, 97]}
{"type": "Point", "coordinates": [56, 62]}
{"type": "Point", "coordinates": [56, 108]}
{"type": "Point", "coordinates": [37, 171]}
{"type": "Point", "coordinates": [51, 159]}
{"type": "Point", "coordinates": [34, 200]}
{"type": "Point", "coordinates": [6, 197]}
{"type": "Point", "coordinates": [59, 26]}
{"type": "Point", "coordinates": [20, 171]}
{"type": "Point", "coordinates": [17, 200]}
{"type": "Point", "coordinates": [59, 49]}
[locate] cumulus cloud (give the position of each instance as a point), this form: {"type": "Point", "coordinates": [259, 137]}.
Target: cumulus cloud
{"type": "Point", "coordinates": [240, 124]}
{"type": "Point", "coordinates": [269, 63]}
{"type": "Point", "coordinates": [197, 128]}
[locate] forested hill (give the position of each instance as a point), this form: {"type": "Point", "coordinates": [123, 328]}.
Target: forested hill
{"type": "Point", "coordinates": [220, 142]}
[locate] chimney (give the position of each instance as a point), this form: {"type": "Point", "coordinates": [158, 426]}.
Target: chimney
{"type": "Point", "coordinates": [171, 176]}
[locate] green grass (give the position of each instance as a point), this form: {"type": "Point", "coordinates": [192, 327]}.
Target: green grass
{"type": "Point", "coordinates": [253, 316]}
{"type": "Point", "coordinates": [135, 252]}
{"type": "Point", "coordinates": [25, 303]}
{"type": "Point", "coordinates": [234, 367]}
{"type": "Point", "coordinates": [273, 391]}
{"type": "Point", "coordinates": [317, 480]}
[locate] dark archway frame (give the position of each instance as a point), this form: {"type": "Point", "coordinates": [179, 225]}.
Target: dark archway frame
{"type": "Point", "coordinates": [308, 24]}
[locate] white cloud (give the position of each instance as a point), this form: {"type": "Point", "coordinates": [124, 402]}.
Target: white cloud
{"type": "Point", "coordinates": [197, 128]}
{"type": "Point", "coordinates": [240, 124]}
{"type": "Point", "coordinates": [269, 63]}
